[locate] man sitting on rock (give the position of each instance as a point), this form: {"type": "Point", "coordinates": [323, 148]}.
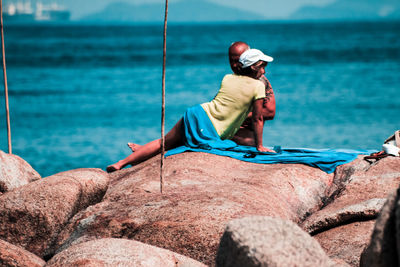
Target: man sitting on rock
{"type": "Point", "coordinates": [245, 135]}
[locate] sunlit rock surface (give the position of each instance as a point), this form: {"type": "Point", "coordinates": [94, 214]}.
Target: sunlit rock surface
{"type": "Point", "coordinates": [202, 193]}
{"type": "Point", "coordinates": [31, 216]}
{"type": "Point", "coordinates": [15, 172]}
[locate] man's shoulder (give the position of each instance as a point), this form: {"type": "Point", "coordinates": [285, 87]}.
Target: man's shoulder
{"type": "Point", "coordinates": [241, 78]}
{"type": "Point", "coordinates": [229, 76]}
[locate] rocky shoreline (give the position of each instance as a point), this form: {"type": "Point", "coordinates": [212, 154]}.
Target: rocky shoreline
{"type": "Point", "coordinates": [215, 211]}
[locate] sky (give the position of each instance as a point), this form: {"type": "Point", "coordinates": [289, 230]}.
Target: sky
{"type": "Point", "coordinates": [274, 9]}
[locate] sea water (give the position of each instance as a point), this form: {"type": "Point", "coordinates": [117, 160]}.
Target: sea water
{"type": "Point", "coordinates": [79, 93]}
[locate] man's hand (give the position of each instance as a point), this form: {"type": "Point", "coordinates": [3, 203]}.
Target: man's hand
{"type": "Point", "coordinates": [264, 149]}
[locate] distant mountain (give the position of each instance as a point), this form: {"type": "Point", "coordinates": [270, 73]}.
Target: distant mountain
{"type": "Point", "coordinates": [353, 10]}
{"type": "Point", "coordinates": [182, 11]}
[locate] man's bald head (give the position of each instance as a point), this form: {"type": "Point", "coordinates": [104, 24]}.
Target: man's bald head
{"type": "Point", "coordinates": [235, 50]}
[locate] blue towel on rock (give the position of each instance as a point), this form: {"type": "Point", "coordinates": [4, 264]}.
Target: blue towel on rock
{"type": "Point", "coordinates": [201, 136]}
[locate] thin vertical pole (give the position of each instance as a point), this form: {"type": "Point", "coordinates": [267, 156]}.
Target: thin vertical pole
{"type": "Point", "coordinates": [5, 80]}
{"type": "Point", "coordinates": [163, 99]}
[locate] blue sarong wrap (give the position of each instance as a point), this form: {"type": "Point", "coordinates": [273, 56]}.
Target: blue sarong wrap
{"type": "Point", "coordinates": [201, 136]}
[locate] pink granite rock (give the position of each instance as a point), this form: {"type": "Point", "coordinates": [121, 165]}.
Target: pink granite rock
{"type": "Point", "coordinates": [202, 193]}
{"type": "Point", "coordinates": [32, 215]}
{"type": "Point", "coordinates": [13, 256]}
{"type": "Point", "coordinates": [15, 172]}
{"type": "Point", "coordinates": [330, 218]}
{"type": "Point", "coordinates": [382, 249]}
{"type": "Point", "coordinates": [377, 181]}
{"type": "Point", "coordinates": [119, 252]}
{"type": "Point", "coordinates": [265, 241]}
{"type": "Point", "coordinates": [364, 189]}
{"type": "Point", "coordinates": [346, 242]}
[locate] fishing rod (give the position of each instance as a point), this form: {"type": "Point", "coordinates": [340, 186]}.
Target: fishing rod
{"type": "Point", "coordinates": [163, 99]}
{"type": "Point", "coordinates": [5, 80]}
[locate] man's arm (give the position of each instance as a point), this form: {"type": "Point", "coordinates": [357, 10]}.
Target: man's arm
{"type": "Point", "coordinates": [269, 105]}
{"type": "Point", "coordinates": [258, 125]}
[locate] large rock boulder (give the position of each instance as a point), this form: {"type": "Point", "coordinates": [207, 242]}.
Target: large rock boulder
{"type": "Point", "coordinates": [14, 256]}
{"type": "Point", "coordinates": [15, 172]}
{"type": "Point", "coordinates": [376, 181]}
{"type": "Point", "coordinates": [329, 218]}
{"type": "Point", "coordinates": [364, 189]}
{"type": "Point", "coordinates": [346, 242]}
{"type": "Point", "coordinates": [343, 174]}
{"type": "Point", "coordinates": [265, 241]}
{"type": "Point", "coordinates": [383, 249]}
{"type": "Point", "coordinates": [119, 252]}
{"type": "Point", "coordinates": [31, 216]}
{"type": "Point", "coordinates": [202, 193]}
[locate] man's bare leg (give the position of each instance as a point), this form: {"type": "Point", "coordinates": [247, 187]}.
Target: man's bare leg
{"type": "Point", "coordinates": [172, 139]}
{"type": "Point", "coordinates": [244, 137]}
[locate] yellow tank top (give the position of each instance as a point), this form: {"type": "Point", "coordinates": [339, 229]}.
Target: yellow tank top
{"type": "Point", "coordinates": [232, 104]}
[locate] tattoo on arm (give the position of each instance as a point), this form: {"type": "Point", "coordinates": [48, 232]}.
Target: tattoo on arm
{"type": "Point", "coordinates": [268, 93]}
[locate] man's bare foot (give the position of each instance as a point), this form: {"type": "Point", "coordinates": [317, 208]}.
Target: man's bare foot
{"type": "Point", "coordinates": [133, 146]}
{"type": "Point", "coordinates": [113, 168]}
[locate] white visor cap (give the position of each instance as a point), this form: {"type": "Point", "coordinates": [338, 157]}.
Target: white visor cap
{"type": "Point", "coordinates": [251, 56]}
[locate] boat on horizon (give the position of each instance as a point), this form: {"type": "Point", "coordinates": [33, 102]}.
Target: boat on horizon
{"type": "Point", "coordinates": [23, 12]}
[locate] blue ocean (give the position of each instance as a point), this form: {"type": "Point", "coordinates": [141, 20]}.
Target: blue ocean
{"type": "Point", "coordinates": [79, 93]}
